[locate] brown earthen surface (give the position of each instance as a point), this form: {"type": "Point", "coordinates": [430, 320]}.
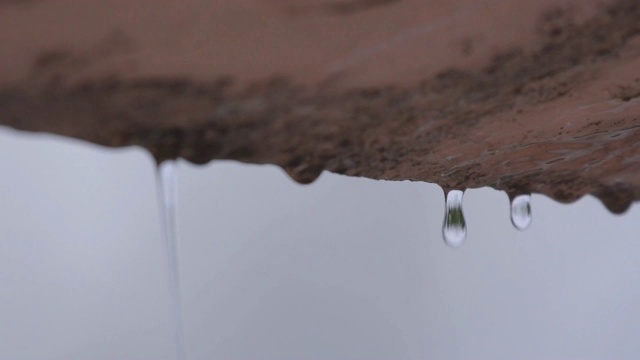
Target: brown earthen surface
{"type": "Point", "coordinates": [523, 96]}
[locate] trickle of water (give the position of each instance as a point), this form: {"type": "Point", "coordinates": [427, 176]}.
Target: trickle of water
{"type": "Point", "coordinates": [168, 198]}
{"type": "Point", "coordinates": [454, 229]}
{"type": "Point", "coordinates": [521, 211]}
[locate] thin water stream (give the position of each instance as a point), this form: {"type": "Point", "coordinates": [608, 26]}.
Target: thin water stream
{"type": "Point", "coordinates": [168, 198]}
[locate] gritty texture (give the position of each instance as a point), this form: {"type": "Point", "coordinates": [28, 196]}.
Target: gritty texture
{"type": "Point", "coordinates": [559, 115]}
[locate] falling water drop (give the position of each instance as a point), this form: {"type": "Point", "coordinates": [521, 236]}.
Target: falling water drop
{"type": "Point", "coordinates": [168, 196]}
{"type": "Point", "coordinates": [521, 211]}
{"type": "Point", "coordinates": [454, 229]}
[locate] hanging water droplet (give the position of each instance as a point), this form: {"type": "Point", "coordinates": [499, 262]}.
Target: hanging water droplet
{"type": "Point", "coordinates": [454, 229]}
{"type": "Point", "coordinates": [304, 174]}
{"type": "Point", "coordinates": [168, 198]}
{"type": "Point", "coordinates": [521, 211]}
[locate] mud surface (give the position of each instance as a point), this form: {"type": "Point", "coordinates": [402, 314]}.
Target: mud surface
{"type": "Point", "coordinates": [555, 112]}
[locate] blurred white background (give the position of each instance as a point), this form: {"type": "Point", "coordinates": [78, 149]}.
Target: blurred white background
{"type": "Point", "coordinates": [345, 268]}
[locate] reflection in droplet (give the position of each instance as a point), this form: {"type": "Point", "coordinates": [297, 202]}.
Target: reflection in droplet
{"type": "Point", "coordinates": [168, 198]}
{"type": "Point", "coordinates": [521, 211]}
{"type": "Point", "coordinates": [454, 229]}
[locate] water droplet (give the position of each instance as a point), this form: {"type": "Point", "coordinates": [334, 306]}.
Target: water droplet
{"type": "Point", "coordinates": [304, 174]}
{"type": "Point", "coordinates": [521, 211]}
{"type": "Point", "coordinates": [168, 198]}
{"type": "Point", "coordinates": [454, 229]}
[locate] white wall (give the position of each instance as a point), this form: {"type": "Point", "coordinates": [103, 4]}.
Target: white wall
{"type": "Point", "coordinates": [344, 268]}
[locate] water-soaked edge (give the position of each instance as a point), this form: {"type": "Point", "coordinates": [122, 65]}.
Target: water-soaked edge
{"type": "Point", "coordinates": [394, 133]}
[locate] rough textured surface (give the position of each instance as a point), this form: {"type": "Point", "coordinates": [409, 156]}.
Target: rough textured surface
{"type": "Point", "coordinates": [520, 96]}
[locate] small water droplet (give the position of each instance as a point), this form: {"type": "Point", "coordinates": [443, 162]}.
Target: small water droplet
{"type": "Point", "coordinates": [168, 198]}
{"type": "Point", "coordinates": [521, 211]}
{"type": "Point", "coordinates": [454, 229]}
{"type": "Point", "coordinates": [304, 174]}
